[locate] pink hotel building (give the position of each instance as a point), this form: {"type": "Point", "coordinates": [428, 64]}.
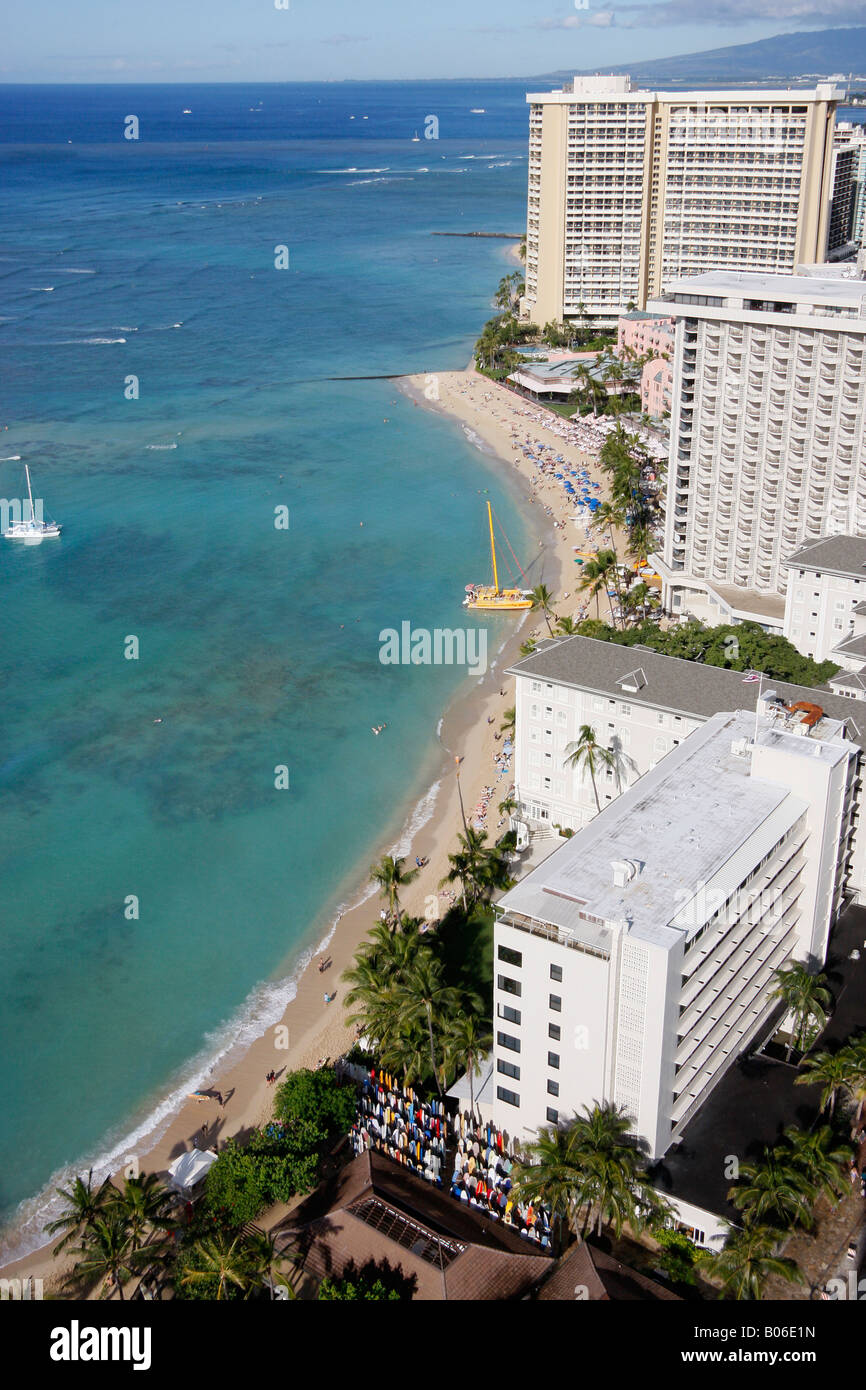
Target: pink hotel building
{"type": "Point", "coordinates": [645, 333]}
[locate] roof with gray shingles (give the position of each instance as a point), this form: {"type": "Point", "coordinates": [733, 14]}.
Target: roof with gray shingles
{"type": "Point", "coordinates": [850, 680]}
{"type": "Point", "coordinates": [852, 646]}
{"type": "Point", "coordinates": [839, 554]}
{"type": "Point", "coordinates": [671, 684]}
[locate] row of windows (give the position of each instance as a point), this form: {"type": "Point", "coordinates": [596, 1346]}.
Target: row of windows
{"type": "Point", "coordinates": [511, 957]}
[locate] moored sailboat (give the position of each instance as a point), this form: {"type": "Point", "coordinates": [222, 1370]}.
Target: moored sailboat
{"type": "Point", "coordinates": [486, 596]}
{"type": "Point", "coordinates": [31, 530]}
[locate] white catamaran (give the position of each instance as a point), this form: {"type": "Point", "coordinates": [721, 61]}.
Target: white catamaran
{"type": "Point", "coordinates": [31, 530]}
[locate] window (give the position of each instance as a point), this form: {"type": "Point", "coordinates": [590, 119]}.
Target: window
{"type": "Point", "coordinates": [553, 1088]}
{"type": "Point", "coordinates": [552, 1116]}
{"type": "Point", "coordinates": [553, 1060]}
{"type": "Point", "coordinates": [507, 1041]}
{"type": "Point", "coordinates": [554, 1031]}
{"type": "Point", "coordinates": [510, 957]}
{"type": "Point", "coordinates": [556, 972]}
{"type": "Point", "coordinates": [555, 1003]}
{"type": "Point", "coordinates": [510, 986]}
{"type": "Point", "coordinates": [510, 1015]}
{"type": "Point", "coordinates": [510, 1097]}
{"type": "Point", "coordinates": [508, 1069]}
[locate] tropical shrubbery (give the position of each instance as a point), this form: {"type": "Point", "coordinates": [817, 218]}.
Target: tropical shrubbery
{"type": "Point", "coordinates": [119, 1233]}
{"type": "Point", "coordinates": [409, 993]}
{"type": "Point", "coordinates": [740, 647]}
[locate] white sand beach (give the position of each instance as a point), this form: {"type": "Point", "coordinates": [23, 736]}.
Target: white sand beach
{"type": "Point", "coordinates": [318, 1031]}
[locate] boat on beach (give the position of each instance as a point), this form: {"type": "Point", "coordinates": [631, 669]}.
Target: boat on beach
{"type": "Point", "coordinates": [31, 530]}
{"type": "Point", "coordinates": [491, 597]}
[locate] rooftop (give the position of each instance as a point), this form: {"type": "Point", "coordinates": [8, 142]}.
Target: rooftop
{"type": "Point", "coordinates": [684, 688]}
{"type": "Point", "coordinates": [618, 88]}
{"type": "Point", "coordinates": [845, 555]}
{"type": "Point", "coordinates": [373, 1210]}
{"type": "Point", "coordinates": [699, 816]}
{"type": "Point", "coordinates": [849, 680]}
{"type": "Point", "coordinates": [603, 1276]}
{"type": "Point", "coordinates": [741, 284]}
{"type": "Point", "coordinates": [851, 647]}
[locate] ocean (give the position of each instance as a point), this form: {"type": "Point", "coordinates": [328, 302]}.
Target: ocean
{"type": "Point", "coordinates": [170, 389]}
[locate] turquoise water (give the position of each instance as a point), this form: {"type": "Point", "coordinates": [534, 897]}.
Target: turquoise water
{"type": "Point", "coordinates": [257, 648]}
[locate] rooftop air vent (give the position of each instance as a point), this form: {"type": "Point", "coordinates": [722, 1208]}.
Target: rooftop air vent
{"type": "Point", "coordinates": [624, 870]}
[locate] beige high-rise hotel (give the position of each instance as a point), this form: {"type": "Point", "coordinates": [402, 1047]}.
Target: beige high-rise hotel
{"type": "Point", "coordinates": [628, 189]}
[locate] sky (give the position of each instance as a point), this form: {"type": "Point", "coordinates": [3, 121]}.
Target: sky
{"type": "Point", "coordinates": [327, 40]}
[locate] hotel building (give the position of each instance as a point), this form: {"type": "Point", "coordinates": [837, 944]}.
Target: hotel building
{"type": "Point", "coordinates": [637, 961]}
{"type": "Point", "coordinates": [629, 188]}
{"type": "Point", "coordinates": [768, 435]}
{"type": "Point", "coordinates": [642, 706]}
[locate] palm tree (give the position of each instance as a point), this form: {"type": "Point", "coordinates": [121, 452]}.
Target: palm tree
{"type": "Point", "coordinates": [594, 1165]}
{"type": "Point", "coordinates": [772, 1189]}
{"type": "Point", "coordinates": [107, 1253]}
{"type": "Point", "coordinates": [833, 1072]}
{"type": "Point", "coordinates": [480, 867]}
{"type": "Point", "coordinates": [612, 1165]}
{"type": "Point", "coordinates": [553, 1175]}
{"type": "Point", "coordinates": [424, 995]}
{"type": "Point", "coordinates": [816, 1155]}
{"type": "Point", "coordinates": [142, 1204]}
{"type": "Point", "coordinates": [528, 647]}
{"type": "Point", "coordinates": [467, 1043]}
{"type": "Point", "coordinates": [508, 721]}
{"type": "Point", "coordinates": [508, 806]}
{"type": "Point", "coordinates": [806, 997]}
{"type": "Point", "coordinates": [586, 754]}
{"type": "Point", "coordinates": [407, 1052]}
{"type": "Point", "coordinates": [264, 1261]}
{"type": "Point", "coordinates": [222, 1258]}
{"type": "Point", "coordinates": [566, 626]}
{"type": "Point", "coordinates": [597, 575]}
{"type": "Point", "coordinates": [542, 598]}
{"type": "Point", "coordinates": [390, 875]}
{"type": "Point", "coordinates": [84, 1206]}
{"type": "Point", "coordinates": [612, 516]}
{"type": "Point", "coordinates": [462, 864]}
{"type": "Point", "coordinates": [746, 1261]}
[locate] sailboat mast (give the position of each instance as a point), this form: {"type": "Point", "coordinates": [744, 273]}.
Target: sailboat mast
{"type": "Point", "coordinates": [492, 548]}
{"type": "Point", "coordinates": [30, 493]}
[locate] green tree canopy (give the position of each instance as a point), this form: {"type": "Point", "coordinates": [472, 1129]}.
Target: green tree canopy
{"type": "Point", "coordinates": [315, 1097]}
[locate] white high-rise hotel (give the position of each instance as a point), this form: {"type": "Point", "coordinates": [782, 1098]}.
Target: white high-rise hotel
{"type": "Point", "coordinates": [637, 961]}
{"type": "Point", "coordinates": [768, 434]}
{"type": "Point", "coordinates": [628, 188]}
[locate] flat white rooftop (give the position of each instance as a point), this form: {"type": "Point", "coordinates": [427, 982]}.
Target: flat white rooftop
{"type": "Point", "coordinates": [743, 284]}
{"type": "Point", "coordinates": [698, 817]}
{"type": "Point", "coordinates": [620, 88]}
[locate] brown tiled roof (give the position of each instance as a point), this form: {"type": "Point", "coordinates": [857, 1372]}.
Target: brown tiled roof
{"type": "Point", "coordinates": [603, 1277]}
{"type": "Point", "coordinates": [375, 1211]}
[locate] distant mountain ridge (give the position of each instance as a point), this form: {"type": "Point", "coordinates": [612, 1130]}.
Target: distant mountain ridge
{"type": "Point", "coordinates": [785, 57]}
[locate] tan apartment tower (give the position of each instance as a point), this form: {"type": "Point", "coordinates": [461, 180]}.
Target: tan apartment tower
{"type": "Point", "coordinates": [629, 189]}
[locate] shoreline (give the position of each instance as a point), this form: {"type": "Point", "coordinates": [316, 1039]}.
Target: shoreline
{"type": "Point", "coordinates": [487, 413]}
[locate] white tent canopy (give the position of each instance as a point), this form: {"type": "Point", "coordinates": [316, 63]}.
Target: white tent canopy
{"type": "Point", "coordinates": [190, 1168]}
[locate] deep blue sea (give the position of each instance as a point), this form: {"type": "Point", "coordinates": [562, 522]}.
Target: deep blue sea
{"type": "Point", "coordinates": [258, 647]}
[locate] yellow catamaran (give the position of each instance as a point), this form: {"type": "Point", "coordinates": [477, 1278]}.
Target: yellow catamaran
{"type": "Point", "coordinates": [502, 600]}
